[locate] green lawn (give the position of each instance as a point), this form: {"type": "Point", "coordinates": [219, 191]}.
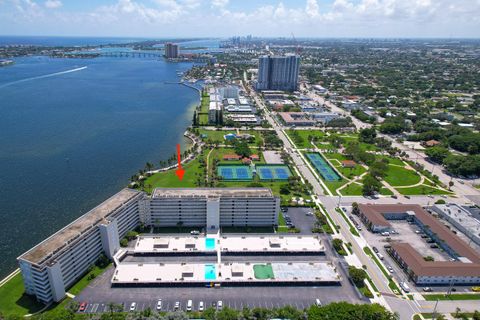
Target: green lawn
{"type": "Point", "coordinates": [13, 301]}
{"type": "Point", "coordinates": [203, 112]}
{"type": "Point", "coordinates": [391, 160]}
{"type": "Point", "coordinates": [421, 190]}
{"type": "Point", "coordinates": [168, 179]}
{"type": "Point", "coordinates": [334, 185]}
{"type": "Point", "coordinates": [353, 189]}
{"type": "Point", "coordinates": [397, 176]}
{"type": "Point", "coordinates": [454, 296]}
{"type": "Point", "coordinates": [217, 136]}
{"type": "Point", "coordinates": [86, 279]}
{"type": "Point", "coordinates": [303, 142]}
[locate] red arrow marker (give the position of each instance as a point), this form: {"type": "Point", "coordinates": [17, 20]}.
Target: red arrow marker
{"type": "Point", "coordinates": [179, 172]}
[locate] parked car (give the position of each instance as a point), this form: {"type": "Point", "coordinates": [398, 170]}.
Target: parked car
{"type": "Point", "coordinates": [159, 304]}
{"type": "Point", "coordinates": [189, 305]}
{"type": "Point", "coordinates": [82, 307]}
{"type": "Point", "coordinates": [177, 306]}
{"type": "Point", "coordinates": [405, 287]}
{"type": "Point", "coordinates": [200, 306]}
{"type": "Point", "coordinates": [318, 303]}
{"type": "Point", "coordinates": [220, 305]}
{"type": "Point", "coordinates": [427, 289]}
{"type": "Point", "coordinates": [476, 289]}
{"type": "Point", "coordinates": [390, 269]}
{"type": "Point", "coordinates": [434, 246]}
{"type": "Point", "coordinates": [133, 306]}
{"type": "Point", "coordinates": [375, 249]}
{"type": "Point", "coordinates": [194, 232]}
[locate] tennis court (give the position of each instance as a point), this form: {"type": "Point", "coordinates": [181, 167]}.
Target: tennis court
{"type": "Point", "coordinates": [273, 172]}
{"type": "Point", "coordinates": [322, 166]}
{"type": "Point", "coordinates": [235, 172]}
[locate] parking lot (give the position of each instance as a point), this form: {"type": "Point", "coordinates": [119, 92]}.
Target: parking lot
{"type": "Point", "coordinates": [100, 293]}
{"type": "Point", "coordinates": [301, 218]}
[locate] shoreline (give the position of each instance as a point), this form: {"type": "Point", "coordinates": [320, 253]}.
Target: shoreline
{"type": "Point", "coordinates": [188, 143]}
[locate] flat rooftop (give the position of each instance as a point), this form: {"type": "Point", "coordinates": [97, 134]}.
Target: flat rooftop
{"type": "Point", "coordinates": [50, 247]}
{"type": "Point", "coordinates": [159, 244]}
{"type": "Point", "coordinates": [175, 273]}
{"type": "Point", "coordinates": [245, 244]}
{"type": "Point", "coordinates": [271, 244]}
{"type": "Point", "coordinates": [462, 216]}
{"type": "Point", "coordinates": [212, 192]}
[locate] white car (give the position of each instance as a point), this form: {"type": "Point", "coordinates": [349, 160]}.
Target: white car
{"type": "Point", "coordinates": [133, 306]}
{"type": "Point", "coordinates": [177, 306]}
{"type": "Point", "coordinates": [200, 306]}
{"type": "Point", "coordinates": [220, 305]}
{"type": "Point", "coordinates": [189, 305]}
{"type": "Point", "coordinates": [159, 304]}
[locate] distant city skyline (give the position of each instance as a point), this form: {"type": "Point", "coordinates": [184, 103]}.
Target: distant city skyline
{"type": "Point", "coordinates": [223, 18]}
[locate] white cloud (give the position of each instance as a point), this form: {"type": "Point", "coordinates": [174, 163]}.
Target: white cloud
{"type": "Point", "coordinates": [220, 3]}
{"type": "Point", "coordinates": [215, 17]}
{"type": "Point", "coordinates": [312, 8]}
{"type": "Point", "coordinates": [53, 4]}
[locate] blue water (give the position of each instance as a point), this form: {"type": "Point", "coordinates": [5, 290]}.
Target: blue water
{"type": "Point", "coordinates": [210, 273]}
{"type": "Point", "coordinates": [64, 41]}
{"type": "Point", "coordinates": [210, 243]}
{"type": "Point", "coordinates": [70, 140]}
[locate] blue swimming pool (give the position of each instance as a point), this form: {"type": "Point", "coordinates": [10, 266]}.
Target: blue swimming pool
{"type": "Point", "coordinates": [210, 273]}
{"type": "Point", "coordinates": [210, 243]}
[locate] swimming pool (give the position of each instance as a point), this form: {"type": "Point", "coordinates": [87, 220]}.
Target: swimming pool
{"type": "Point", "coordinates": [322, 166]}
{"type": "Point", "coordinates": [210, 243]}
{"type": "Point", "coordinates": [210, 272]}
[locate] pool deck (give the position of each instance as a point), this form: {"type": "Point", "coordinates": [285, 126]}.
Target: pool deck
{"type": "Point", "coordinates": [300, 273]}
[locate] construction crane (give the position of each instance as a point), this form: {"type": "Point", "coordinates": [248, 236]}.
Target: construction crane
{"type": "Point", "coordinates": [298, 49]}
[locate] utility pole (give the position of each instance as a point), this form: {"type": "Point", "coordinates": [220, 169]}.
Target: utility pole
{"type": "Point", "coordinates": [434, 313]}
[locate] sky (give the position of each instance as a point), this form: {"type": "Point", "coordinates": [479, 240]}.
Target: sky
{"type": "Point", "coordinates": [223, 18]}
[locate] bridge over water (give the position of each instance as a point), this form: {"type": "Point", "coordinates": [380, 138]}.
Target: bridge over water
{"type": "Point", "coordinates": [132, 54]}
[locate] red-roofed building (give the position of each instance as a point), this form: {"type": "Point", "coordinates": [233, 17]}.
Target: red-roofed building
{"type": "Point", "coordinates": [431, 143]}
{"type": "Point", "coordinates": [349, 164]}
{"type": "Point", "coordinates": [231, 157]}
{"type": "Point", "coordinates": [465, 269]}
{"type": "Point", "coordinates": [255, 157]}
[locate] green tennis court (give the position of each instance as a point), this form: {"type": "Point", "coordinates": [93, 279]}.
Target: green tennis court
{"type": "Point", "coordinates": [273, 172]}
{"type": "Point", "coordinates": [235, 172]}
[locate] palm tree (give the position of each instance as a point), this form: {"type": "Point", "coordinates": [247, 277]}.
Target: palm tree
{"type": "Point", "coordinates": [148, 166]}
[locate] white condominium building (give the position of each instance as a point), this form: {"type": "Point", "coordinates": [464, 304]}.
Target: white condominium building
{"type": "Point", "coordinates": [212, 207]}
{"type": "Point", "coordinates": [55, 264]}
